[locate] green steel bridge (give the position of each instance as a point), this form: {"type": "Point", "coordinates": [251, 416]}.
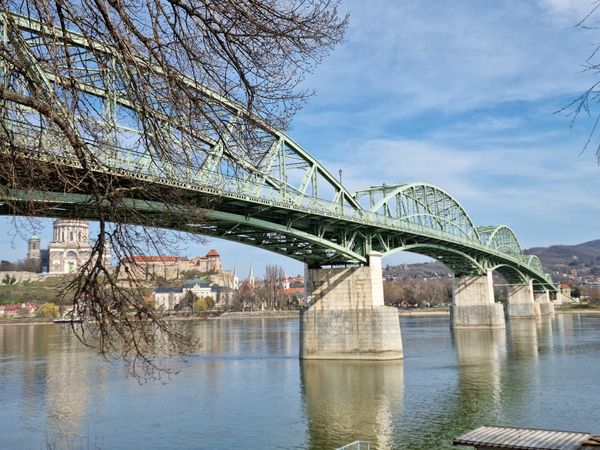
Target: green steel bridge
{"type": "Point", "coordinates": [276, 196]}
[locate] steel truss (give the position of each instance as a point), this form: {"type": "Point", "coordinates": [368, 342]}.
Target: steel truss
{"type": "Point", "coordinates": [274, 195]}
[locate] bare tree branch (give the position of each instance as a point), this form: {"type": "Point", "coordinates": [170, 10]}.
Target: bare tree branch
{"type": "Point", "coordinates": [180, 86]}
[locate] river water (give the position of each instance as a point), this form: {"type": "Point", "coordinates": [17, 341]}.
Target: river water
{"type": "Point", "coordinates": [247, 389]}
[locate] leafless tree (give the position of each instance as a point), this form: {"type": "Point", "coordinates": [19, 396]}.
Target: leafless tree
{"type": "Point", "coordinates": [586, 104]}
{"type": "Point", "coordinates": [186, 77]}
{"type": "Point", "coordinates": [418, 292]}
{"type": "Point", "coordinates": [274, 282]}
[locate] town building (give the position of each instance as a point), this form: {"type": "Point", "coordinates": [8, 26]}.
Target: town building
{"type": "Point", "coordinates": [169, 298]}
{"type": "Point", "coordinates": [565, 289]}
{"type": "Point", "coordinates": [171, 268]}
{"type": "Point", "coordinates": [18, 309]}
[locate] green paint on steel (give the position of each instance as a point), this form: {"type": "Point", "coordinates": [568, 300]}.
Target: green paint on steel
{"type": "Point", "coordinates": [281, 199]}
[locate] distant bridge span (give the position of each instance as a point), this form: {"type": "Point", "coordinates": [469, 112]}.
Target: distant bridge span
{"type": "Point", "coordinates": [275, 196]}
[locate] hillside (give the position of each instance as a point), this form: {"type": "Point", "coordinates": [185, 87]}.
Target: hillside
{"type": "Point", "coordinates": [579, 264]}
{"type": "Point", "coordinates": [427, 270]}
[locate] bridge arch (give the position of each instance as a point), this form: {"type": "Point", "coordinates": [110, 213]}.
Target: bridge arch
{"type": "Point", "coordinates": [421, 204]}
{"type": "Point", "coordinates": [503, 239]}
{"type": "Point", "coordinates": [534, 261]}
{"type": "Point", "coordinates": [460, 262]}
{"type": "Point", "coordinates": [511, 274]}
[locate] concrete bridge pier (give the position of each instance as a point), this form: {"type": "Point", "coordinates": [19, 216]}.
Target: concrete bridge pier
{"type": "Point", "coordinates": [542, 299]}
{"type": "Point", "coordinates": [473, 303]}
{"type": "Point", "coordinates": [347, 318]}
{"type": "Point", "coordinates": [521, 303]}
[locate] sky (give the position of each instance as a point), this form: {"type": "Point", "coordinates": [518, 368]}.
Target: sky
{"type": "Point", "coordinates": [464, 95]}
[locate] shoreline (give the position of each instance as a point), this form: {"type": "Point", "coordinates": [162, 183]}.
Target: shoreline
{"type": "Point", "coordinates": [577, 310]}
{"type": "Point", "coordinates": [232, 315]}
{"type": "Point", "coordinates": [26, 322]}
{"type": "Point", "coordinates": [258, 315]}
{"type": "Point", "coordinates": [423, 312]}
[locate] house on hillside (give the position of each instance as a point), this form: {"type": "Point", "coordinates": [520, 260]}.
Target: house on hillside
{"type": "Point", "coordinates": [169, 298]}
{"type": "Point", "coordinates": [18, 309]}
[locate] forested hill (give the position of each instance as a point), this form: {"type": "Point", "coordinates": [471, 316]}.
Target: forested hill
{"type": "Point", "coordinates": [588, 252]}
{"type": "Point", "coordinates": [580, 263]}
{"type": "Point", "coordinates": [577, 263]}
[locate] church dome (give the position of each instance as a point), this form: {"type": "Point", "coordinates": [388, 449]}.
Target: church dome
{"type": "Point", "coordinates": [69, 230]}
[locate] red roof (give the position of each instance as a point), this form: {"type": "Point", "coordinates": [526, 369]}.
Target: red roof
{"type": "Point", "coordinates": [142, 259]}
{"type": "Point", "coordinates": [13, 307]}
{"type": "Point", "coordinates": [564, 285]}
{"type": "Point", "coordinates": [294, 290]}
{"type": "Point", "coordinates": [213, 252]}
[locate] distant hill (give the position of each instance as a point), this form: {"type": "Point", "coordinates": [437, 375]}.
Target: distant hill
{"type": "Point", "coordinates": [588, 252]}
{"type": "Point", "coordinates": [427, 270]}
{"type": "Point", "coordinates": [579, 264]}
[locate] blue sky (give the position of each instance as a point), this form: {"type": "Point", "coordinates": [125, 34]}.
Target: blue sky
{"type": "Point", "coordinates": [460, 94]}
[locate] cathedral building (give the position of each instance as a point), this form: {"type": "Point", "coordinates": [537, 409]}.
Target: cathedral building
{"type": "Point", "coordinates": [69, 249]}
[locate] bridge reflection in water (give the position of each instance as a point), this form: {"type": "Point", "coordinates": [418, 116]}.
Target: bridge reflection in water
{"type": "Point", "coordinates": [247, 389]}
{"type": "Point", "coordinates": [480, 356]}
{"type": "Point", "coordinates": [352, 400]}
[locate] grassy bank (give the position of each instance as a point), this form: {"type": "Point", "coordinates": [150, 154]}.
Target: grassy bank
{"type": "Point", "coordinates": [39, 292]}
{"type": "Point", "coordinates": [25, 321]}
{"type": "Point", "coordinates": [422, 312]}
{"type": "Point", "coordinates": [577, 308]}
{"type": "Point", "coordinates": [258, 314]}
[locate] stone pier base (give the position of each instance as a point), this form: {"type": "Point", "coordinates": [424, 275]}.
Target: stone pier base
{"type": "Point", "coordinates": [347, 318]}
{"type": "Point", "coordinates": [523, 310]}
{"type": "Point", "coordinates": [521, 303]}
{"type": "Point", "coordinates": [350, 334]}
{"type": "Point", "coordinates": [542, 299]}
{"type": "Point", "coordinates": [473, 304]}
{"type": "Point", "coordinates": [477, 316]}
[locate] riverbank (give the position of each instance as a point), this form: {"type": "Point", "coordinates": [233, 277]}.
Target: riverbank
{"type": "Point", "coordinates": [258, 315]}
{"type": "Point", "coordinates": [412, 312]}
{"type": "Point", "coordinates": [576, 310]}
{"type": "Point", "coordinates": [424, 312]}
{"type": "Point", "coordinates": [26, 321]}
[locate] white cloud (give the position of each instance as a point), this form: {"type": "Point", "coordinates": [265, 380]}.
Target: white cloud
{"type": "Point", "coordinates": [542, 191]}
{"type": "Point", "coordinates": [403, 58]}
{"type": "Point", "coordinates": [567, 10]}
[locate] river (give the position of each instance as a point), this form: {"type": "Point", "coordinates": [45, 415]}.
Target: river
{"type": "Point", "coordinates": [246, 389]}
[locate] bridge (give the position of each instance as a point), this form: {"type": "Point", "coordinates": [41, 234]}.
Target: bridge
{"type": "Point", "coordinates": [271, 194]}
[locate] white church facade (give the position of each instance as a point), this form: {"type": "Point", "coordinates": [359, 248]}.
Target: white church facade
{"type": "Point", "coordinates": [69, 249]}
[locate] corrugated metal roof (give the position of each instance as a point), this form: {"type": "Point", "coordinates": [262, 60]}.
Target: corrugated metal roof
{"type": "Point", "coordinates": [522, 438]}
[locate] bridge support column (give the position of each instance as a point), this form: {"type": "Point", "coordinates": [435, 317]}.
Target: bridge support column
{"type": "Point", "coordinates": [347, 318]}
{"type": "Point", "coordinates": [542, 299]}
{"type": "Point", "coordinates": [521, 303]}
{"type": "Point", "coordinates": [473, 304]}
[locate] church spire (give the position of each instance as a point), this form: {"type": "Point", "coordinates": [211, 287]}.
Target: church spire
{"type": "Point", "coordinates": [251, 279]}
